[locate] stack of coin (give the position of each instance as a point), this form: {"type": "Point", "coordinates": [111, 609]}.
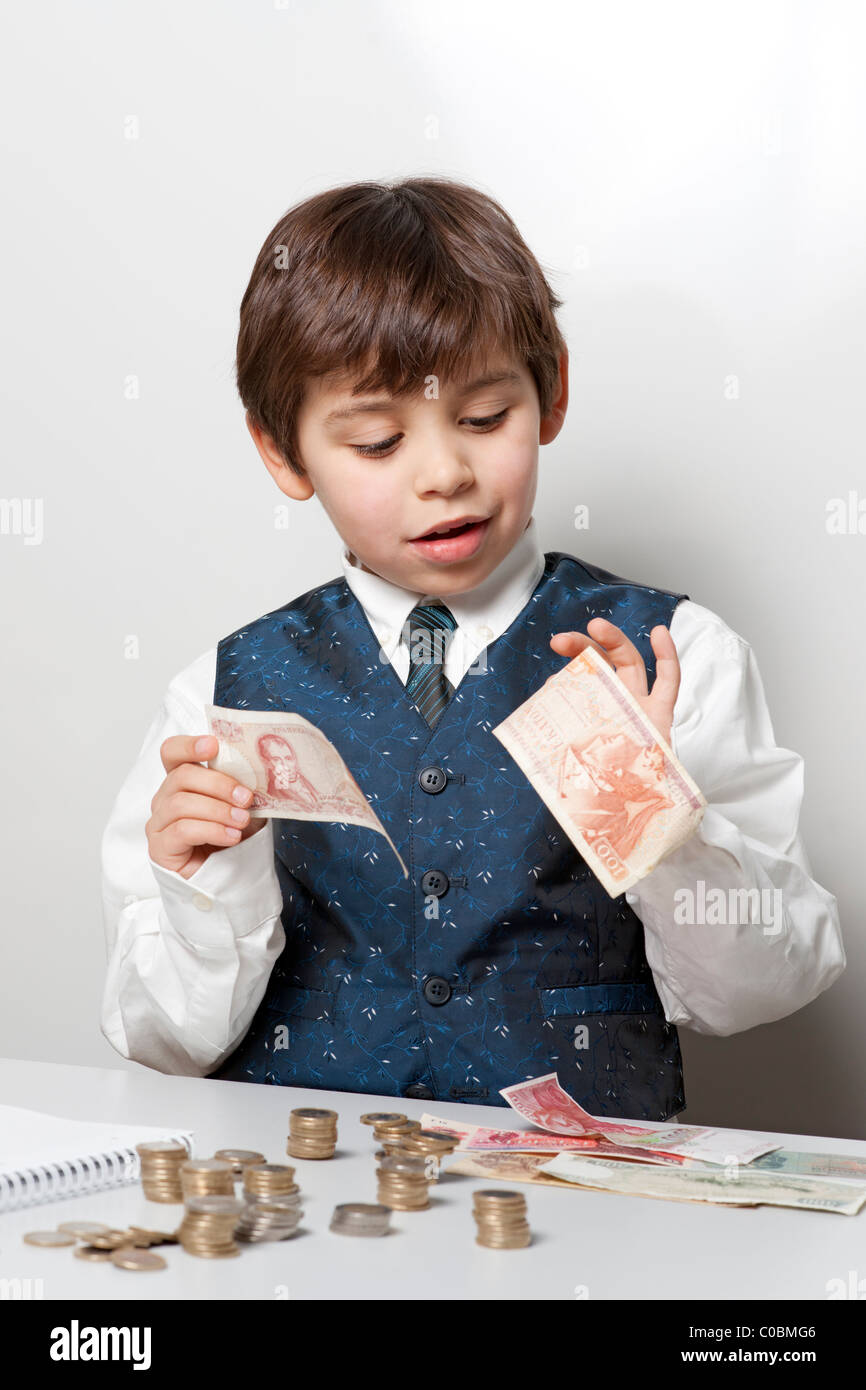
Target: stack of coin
{"type": "Point", "coordinates": [403, 1182]}
{"type": "Point", "coordinates": [239, 1159]}
{"type": "Point", "coordinates": [160, 1169]}
{"type": "Point", "coordinates": [269, 1180]}
{"type": "Point", "coordinates": [361, 1219]}
{"type": "Point", "coordinates": [393, 1146]}
{"type": "Point", "coordinates": [207, 1177]}
{"type": "Point", "coordinates": [429, 1144]}
{"type": "Point", "coordinates": [398, 1128]}
{"type": "Point", "coordinates": [312, 1133]}
{"type": "Point", "coordinates": [208, 1227]}
{"type": "Point", "coordinates": [501, 1219]}
{"type": "Point", "coordinates": [269, 1218]}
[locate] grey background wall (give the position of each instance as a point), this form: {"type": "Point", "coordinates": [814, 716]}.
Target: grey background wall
{"type": "Point", "coordinates": [693, 180]}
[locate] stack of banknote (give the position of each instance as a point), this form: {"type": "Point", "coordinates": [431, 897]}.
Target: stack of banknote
{"type": "Point", "coordinates": [673, 1161]}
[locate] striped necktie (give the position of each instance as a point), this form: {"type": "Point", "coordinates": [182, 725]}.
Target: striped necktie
{"type": "Point", "coordinates": [427, 632]}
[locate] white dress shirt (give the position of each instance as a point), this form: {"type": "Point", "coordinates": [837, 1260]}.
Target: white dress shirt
{"type": "Point", "coordinates": [189, 959]}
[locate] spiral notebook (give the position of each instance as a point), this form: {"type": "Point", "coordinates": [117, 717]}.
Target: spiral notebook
{"type": "Point", "coordinates": [45, 1157]}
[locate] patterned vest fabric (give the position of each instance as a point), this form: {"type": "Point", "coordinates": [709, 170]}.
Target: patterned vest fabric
{"type": "Point", "coordinates": [501, 957]}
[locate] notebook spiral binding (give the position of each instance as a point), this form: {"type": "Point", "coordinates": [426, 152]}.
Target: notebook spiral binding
{"type": "Point", "coordinates": [73, 1177]}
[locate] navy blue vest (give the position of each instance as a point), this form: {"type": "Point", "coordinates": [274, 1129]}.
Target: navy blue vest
{"type": "Point", "coordinates": [501, 957]}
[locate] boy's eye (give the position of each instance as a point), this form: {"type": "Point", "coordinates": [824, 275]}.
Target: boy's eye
{"type": "Point", "coordinates": [481, 423]}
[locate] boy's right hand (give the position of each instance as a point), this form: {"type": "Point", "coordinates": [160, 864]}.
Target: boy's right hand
{"type": "Point", "coordinates": [196, 810]}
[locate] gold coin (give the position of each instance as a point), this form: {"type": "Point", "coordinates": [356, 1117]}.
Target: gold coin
{"type": "Point", "coordinates": [92, 1253]}
{"type": "Point", "coordinates": [141, 1235]}
{"type": "Point", "coordinates": [110, 1240]}
{"type": "Point", "coordinates": [84, 1229]}
{"type": "Point", "coordinates": [49, 1238]}
{"type": "Point", "coordinates": [125, 1257]}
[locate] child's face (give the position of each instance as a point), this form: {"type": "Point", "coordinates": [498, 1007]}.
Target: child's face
{"type": "Point", "coordinates": [471, 451]}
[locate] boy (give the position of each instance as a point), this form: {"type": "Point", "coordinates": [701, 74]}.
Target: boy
{"type": "Point", "coordinates": [399, 358]}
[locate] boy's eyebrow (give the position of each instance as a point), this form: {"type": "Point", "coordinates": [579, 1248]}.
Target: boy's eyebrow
{"type": "Point", "coordinates": [363, 407]}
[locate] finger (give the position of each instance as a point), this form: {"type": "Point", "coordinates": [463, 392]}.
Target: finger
{"type": "Point", "coordinates": [187, 748]}
{"type": "Point", "coordinates": [185, 805]}
{"type": "Point", "coordinates": [192, 777]}
{"type": "Point", "coordinates": [181, 834]}
{"type": "Point", "coordinates": [620, 652]}
{"type": "Point", "coordinates": [571, 644]}
{"type": "Point", "coordinates": [667, 681]}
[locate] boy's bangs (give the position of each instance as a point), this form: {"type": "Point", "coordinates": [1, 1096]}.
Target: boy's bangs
{"type": "Point", "coordinates": [412, 348]}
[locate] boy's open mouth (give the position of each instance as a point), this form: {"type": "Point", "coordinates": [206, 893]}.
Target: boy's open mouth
{"type": "Point", "coordinates": [458, 541]}
{"type": "Point", "coordinates": [451, 529]}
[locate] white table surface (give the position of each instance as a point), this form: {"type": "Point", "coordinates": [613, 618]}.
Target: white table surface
{"type": "Point", "coordinates": [612, 1246]}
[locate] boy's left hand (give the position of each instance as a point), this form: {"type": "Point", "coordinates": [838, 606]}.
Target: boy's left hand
{"type": "Point", "coordinates": [621, 654]}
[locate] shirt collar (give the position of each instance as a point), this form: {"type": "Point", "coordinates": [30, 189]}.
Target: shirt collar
{"type": "Point", "coordinates": [492, 604]}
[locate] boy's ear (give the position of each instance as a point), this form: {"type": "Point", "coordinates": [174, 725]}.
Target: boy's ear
{"type": "Point", "coordinates": [553, 421]}
{"type": "Point", "coordinates": [286, 479]}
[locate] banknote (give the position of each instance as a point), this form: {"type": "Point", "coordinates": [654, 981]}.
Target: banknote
{"type": "Point", "coordinates": [746, 1189]}
{"type": "Point", "coordinates": [485, 1139]}
{"type": "Point", "coordinates": [839, 1167]}
{"type": "Point", "coordinates": [292, 769]}
{"type": "Point", "coordinates": [544, 1102]}
{"type": "Point", "coordinates": [603, 770]}
{"type": "Point", "coordinates": [478, 1139]}
{"type": "Point", "coordinates": [507, 1167]}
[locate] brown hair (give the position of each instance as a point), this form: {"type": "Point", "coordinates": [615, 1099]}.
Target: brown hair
{"type": "Point", "coordinates": [412, 278]}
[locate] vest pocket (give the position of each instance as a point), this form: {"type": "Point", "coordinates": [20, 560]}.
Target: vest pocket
{"type": "Point", "coordinates": [299, 1001]}
{"type": "Point", "coordinates": [613, 1049]}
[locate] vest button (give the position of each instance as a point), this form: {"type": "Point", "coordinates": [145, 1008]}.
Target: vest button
{"type": "Point", "coordinates": [418, 1091]}
{"type": "Point", "coordinates": [437, 990]}
{"type": "Point", "coordinates": [432, 779]}
{"type": "Point", "coordinates": [201, 902]}
{"type": "Point", "coordinates": [435, 882]}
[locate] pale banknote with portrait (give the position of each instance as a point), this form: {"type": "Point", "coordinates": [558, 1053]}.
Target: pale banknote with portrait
{"type": "Point", "coordinates": [292, 769]}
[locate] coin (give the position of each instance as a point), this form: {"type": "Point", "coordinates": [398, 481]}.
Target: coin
{"type": "Point", "coordinates": [92, 1253]}
{"type": "Point", "coordinates": [110, 1239]}
{"type": "Point", "coordinates": [142, 1236]}
{"type": "Point", "coordinates": [84, 1229]}
{"type": "Point", "coordinates": [239, 1158]}
{"type": "Point", "coordinates": [361, 1219]}
{"type": "Point", "coordinates": [48, 1238]}
{"type": "Point", "coordinates": [312, 1133]}
{"type": "Point", "coordinates": [383, 1117]}
{"type": "Point", "coordinates": [128, 1258]}
{"type": "Point", "coordinates": [500, 1216]}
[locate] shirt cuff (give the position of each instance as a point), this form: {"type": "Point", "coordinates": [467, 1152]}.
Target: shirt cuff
{"type": "Point", "coordinates": [232, 893]}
